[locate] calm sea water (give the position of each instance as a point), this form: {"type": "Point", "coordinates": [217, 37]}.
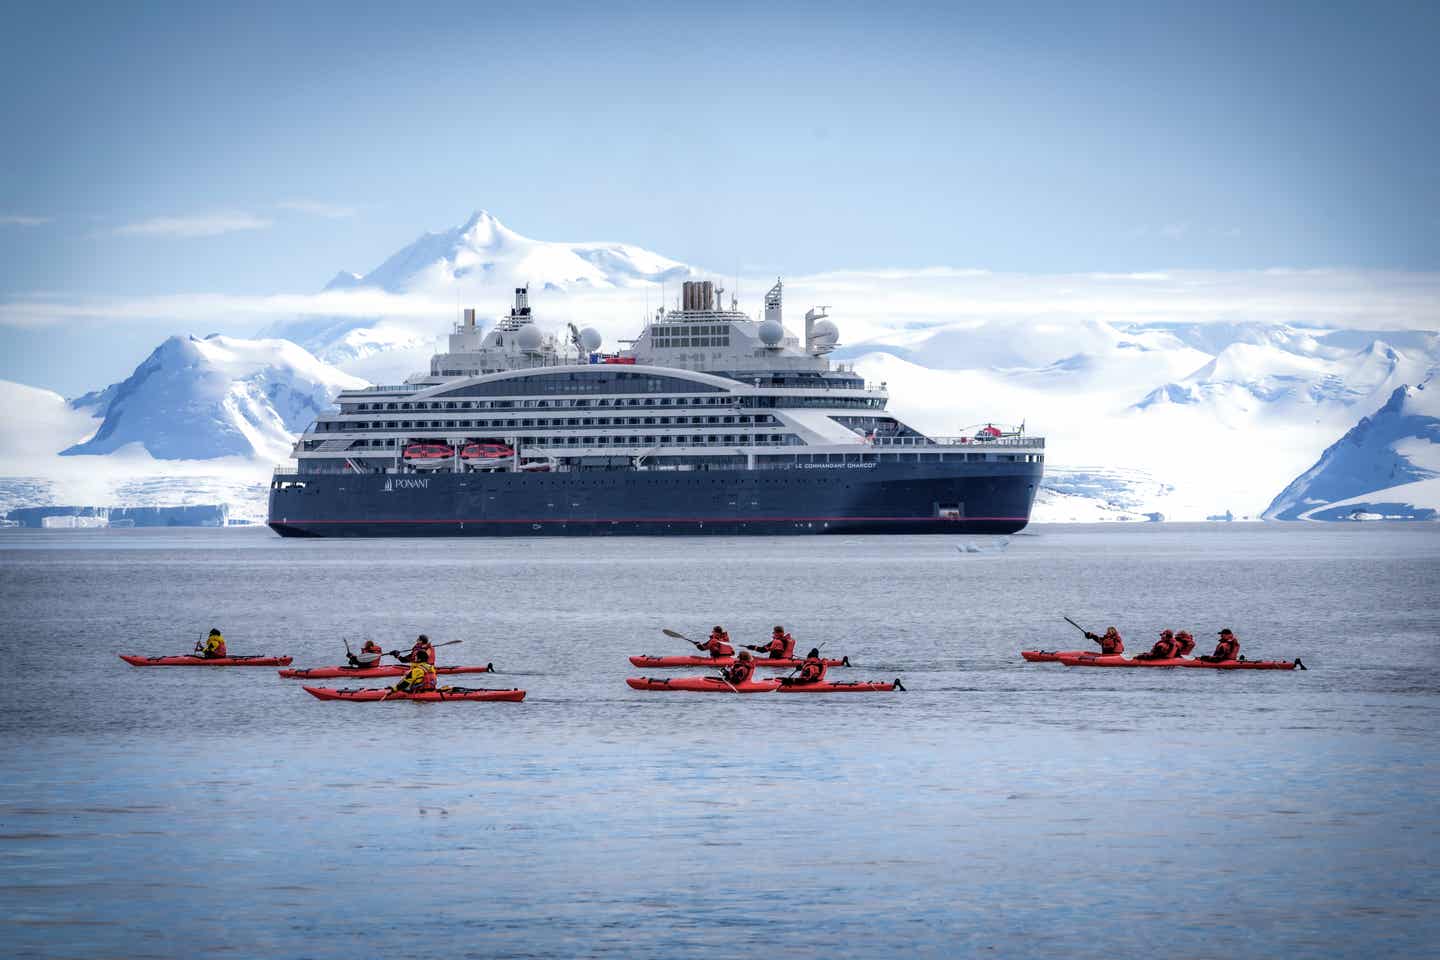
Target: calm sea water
{"type": "Point", "coordinates": [1019, 810]}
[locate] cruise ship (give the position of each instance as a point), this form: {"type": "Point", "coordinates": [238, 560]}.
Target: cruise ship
{"type": "Point", "coordinates": [711, 422]}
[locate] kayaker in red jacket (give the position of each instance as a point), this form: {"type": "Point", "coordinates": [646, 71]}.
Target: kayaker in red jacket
{"type": "Point", "coordinates": [369, 656]}
{"type": "Point", "coordinates": [718, 644]}
{"type": "Point", "coordinates": [421, 652]}
{"type": "Point", "coordinates": [214, 647]}
{"type": "Point", "coordinates": [1164, 648]}
{"type": "Point", "coordinates": [1227, 649]}
{"type": "Point", "coordinates": [418, 679]}
{"type": "Point", "coordinates": [1110, 643]}
{"type": "Point", "coordinates": [1184, 644]}
{"type": "Point", "coordinates": [812, 670]}
{"type": "Point", "coordinates": [781, 645]}
{"type": "Point", "coordinates": [740, 671]}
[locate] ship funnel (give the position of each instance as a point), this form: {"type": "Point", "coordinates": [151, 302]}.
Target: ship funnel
{"type": "Point", "coordinates": [470, 317]}
{"type": "Point", "coordinates": [522, 302]}
{"type": "Point", "coordinates": [697, 295]}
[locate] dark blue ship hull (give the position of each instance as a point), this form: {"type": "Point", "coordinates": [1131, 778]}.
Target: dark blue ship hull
{"type": "Point", "coordinates": [884, 498]}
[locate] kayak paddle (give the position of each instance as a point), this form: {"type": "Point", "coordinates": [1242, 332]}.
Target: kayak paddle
{"type": "Point", "coordinates": [1077, 626]}
{"type": "Point", "coordinates": [433, 646]}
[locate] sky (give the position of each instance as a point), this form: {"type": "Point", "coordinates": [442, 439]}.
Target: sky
{"type": "Point", "coordinates": [254, 150]}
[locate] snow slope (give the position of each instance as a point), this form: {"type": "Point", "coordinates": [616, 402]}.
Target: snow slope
{"type": "Point", "coordinates": [1178, 431]}
{"type": "Point", "coordinates": [1387, 465]}
{"type": "Point", "coordinates": [195, 399]}
{"type": "Point", "coordinates": [480, 262]}
{"type": "Point", "coordinates": [39, 424]}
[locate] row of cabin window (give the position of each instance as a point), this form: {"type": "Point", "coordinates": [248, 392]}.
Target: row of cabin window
{"type": "Point", "coordinates": [692, 342]}
{"type": "Point", "coordinates": [343, 426]}
{"type": "Point", "coordinates": [542, 404]}
{"type": "Point", "coordinates": [699, 440]}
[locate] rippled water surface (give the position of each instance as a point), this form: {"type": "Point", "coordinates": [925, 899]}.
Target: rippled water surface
{"type": "Point", "coordinates": [1020, 810]}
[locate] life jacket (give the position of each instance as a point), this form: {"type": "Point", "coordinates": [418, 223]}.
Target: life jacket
{"type": "Point", "coordinates": [1163, 650]}
{"type": "Point", "coordinates": [1184, 644]}
{"type": "Point", "coordinates": [1110, 643]}
{"type": "Point", "coordinates": [812, 670]}
{"type": "Point", "coordinates": [371, 647]}
{"type": "Point", "coordinates": [739, 672]}
{"type": "Point", "coordinates": [214, 646]}
{"type": "Point", "coordinates": [420, 678]}
{"type": "Point", "coordinates": [1227, 650]}
{"type": "Point", "coordinates": [422, 653]}
{"type": "Point", "coordinates": [780, 647]}
{"type": "Point", "coordinates": [718, 647]}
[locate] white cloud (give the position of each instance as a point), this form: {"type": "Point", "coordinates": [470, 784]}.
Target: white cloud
{"type": "Point", "coordinates": [330, 211]}
{"type": "Point", "coordinates": [20, 220]}
{"type": "Point", "coordinates": [867, 305]}
{"type": "Point", "coordinates": [198, 225]}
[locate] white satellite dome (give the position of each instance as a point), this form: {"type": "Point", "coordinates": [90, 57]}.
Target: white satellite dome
{"type": "Point", "coordinates": [771, 333]}
{"type": "Point", "coordinates": [529, 337]}
{"type": "Point", "coordinates": [590, 339]}
{"type": "Point", "coordinates": [824, 335]}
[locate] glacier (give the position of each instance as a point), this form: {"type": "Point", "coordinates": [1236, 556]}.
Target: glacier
{"type": "Point", "coordinates": [1385, 467]}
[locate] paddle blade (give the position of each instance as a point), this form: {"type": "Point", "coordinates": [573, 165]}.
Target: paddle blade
{"type": "Point", "coordinates": [673, 633]}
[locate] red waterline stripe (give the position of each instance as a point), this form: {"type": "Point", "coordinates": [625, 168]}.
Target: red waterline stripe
{"type": "Point", "coordinates": [669, 520]}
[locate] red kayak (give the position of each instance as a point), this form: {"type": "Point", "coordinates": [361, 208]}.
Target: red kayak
{"type": "Point", "coordinates": [1052, 656]}
{"type": "Point", "coordinates": [702, 685]}
{"type": "Point", "coordinates": [187, 661]}
{"type": "Point", "coordinates": [666, 663]}
{"type": "Point", "coordinates": [396, 670]}
{"type": "Point", "coordinates": [430, 696]}
{"type": "Point", "coordinates": [843, 686]}
{"type": "Point", "coordinates": [1116, 660]}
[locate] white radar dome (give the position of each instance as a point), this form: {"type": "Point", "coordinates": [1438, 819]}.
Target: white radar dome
{"type": "Point", "coordinates": [590, 339]}
{"type": "Point", "coordinates": [824, 335]}
{"type": "Point", "coordinates": [771, 333]}
{"type": "Point", "coordinates": [529, 337]}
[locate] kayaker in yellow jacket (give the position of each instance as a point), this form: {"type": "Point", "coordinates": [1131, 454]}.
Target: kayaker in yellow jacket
{"type": "Point", "coordinates": [420, 678]}
{"type": "Point", "coordinates": [214, 646]}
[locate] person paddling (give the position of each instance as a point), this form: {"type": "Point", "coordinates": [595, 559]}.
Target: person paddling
{"type": "Point", "coordinates": [420, 678]}
{"type": "Point", "coordinates": [781, 645]}
{"type": "Point", "coordinates": [1184, 644]}
{"type": "Point", "coordinates": [421, 652]}
{"type": "Point", "coordinates": [214, 646]}
{"type": "Point", "coordinates": [369, 656]}
{"type": "Point", "coordinates": [812, 670]}
{"type": "Point", "coordinates": [717, 645]}
{"type": "Point", "coordinates": [1164, 648]}
{"type": "Point", "coordinates": [1110, 643]}
{"type": "Point", "coordinates": [740, 671]}
{"type": "Point", "coordinates": [1227, 649]}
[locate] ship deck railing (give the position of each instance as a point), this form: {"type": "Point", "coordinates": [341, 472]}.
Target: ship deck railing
{"type": "Point", "coordinates": [914, 441]}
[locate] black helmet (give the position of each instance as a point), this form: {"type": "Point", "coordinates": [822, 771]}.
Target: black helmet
{"type": "Point", "coordinates": [717, 629]}
{"type": "Point", "coordinates": [422, 639]}
{"type": "Point", "coordinates": [214, 632]}
{"type": "Point", "coordinates": [814, 653]}
{"type": "Point", "coordinates": [779, 629]}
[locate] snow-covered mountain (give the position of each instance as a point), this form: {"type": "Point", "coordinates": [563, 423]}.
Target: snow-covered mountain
{"type": "Point", "coordinates": [1387, 465]}
{"type": "Point", "coordinates": [480, 261]}
{"type": "Point", "coordinates": [39, 424]}
{"type": "Point", "coordinates": [1184, 421]}
{"type": "Point", "coordinates": [195, 399]}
